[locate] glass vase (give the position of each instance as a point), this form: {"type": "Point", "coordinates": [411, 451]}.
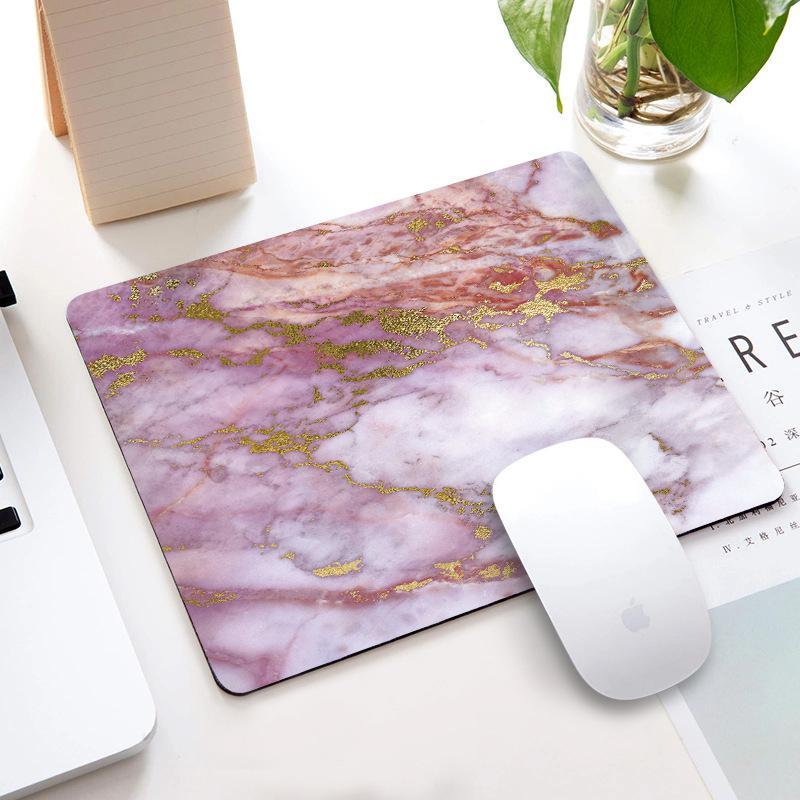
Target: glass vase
{"type": "Point", "coordinates": [631, 100]}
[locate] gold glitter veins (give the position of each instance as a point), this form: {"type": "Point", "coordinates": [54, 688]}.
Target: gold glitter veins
{"type": "Point", "coordinates": [367, 347]}
{"type": "Point", "coordinates": [416, 226]}
{"type": "Point", "coordinates": [506, 288]}
{"type": "Point", "coordinates": [534, 343]}
{"type": "Point", "coordinates": [451, 570]}
{"type": "Point", "coordinates": [110, 363]}
{"type": "Point", "coordinates": [204, 599]}
{"type": "Point", "coordinates": [280, 442]}
{"type": "Point", "coordinates": [490, 573]}
{"type": "Point", "coordinates": [662, 445]}
{"type": "Point", "coordinates": [495, 571]}
{"type": "Point", "coordinates": [541, 306]}
{"type": "Point", "coordinates": [601, 228]}
{"type": "Point", "coordinates": [203, 309]}
{"type": "Point", "coordinates": [412, 585]}
{"type": "Point", "coordinates": [692, 357]}
{"type": "Point", "coordinates": [125, 379]}
{"type": "Point", "coordinates": [415, 322]}
{"type": "Point", "coordinates": [446, 495]}
{"type": "Point", "coordinates": [186, 352]}
{"type": "Point", "coordinates": [451, 496]}
{"type": "Point", "coordinates": [292, 332]}
{"type": "Point", "coordinates": [648, 376]}
{"type": "Point", "coordinates": [356, 318]}
{"type": "Point", "coordinates": [255, 360]}
{"type": "Point", "coordinates": [447, 218]}
{"type": "Point", "coordinates": [562, 283]}
{"type": "Point", "coordinates": [337, 569]}
{"type": "Point", "coordinates": [482, 532]}
{"type": "Point", "coordinates": [386, 372]}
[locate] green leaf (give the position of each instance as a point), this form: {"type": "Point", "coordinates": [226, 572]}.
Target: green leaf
{"type": "Point", "coordinates": [774, 9]}
{"type": "Point", "coordinates": [720, 45]}
{"type": "Point", "coordinates": [537, 28]}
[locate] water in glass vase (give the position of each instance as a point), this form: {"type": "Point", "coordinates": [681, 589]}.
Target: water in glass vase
{"type": "Point", "coordinates": [631, 100]}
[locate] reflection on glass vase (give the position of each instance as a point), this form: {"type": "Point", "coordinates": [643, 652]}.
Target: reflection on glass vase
{"type": "Point", "coordinates": [631, 100]}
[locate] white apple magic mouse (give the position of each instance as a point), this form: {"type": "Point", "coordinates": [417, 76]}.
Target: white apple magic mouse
{"type": "Point", "coordinates": [607, 566]}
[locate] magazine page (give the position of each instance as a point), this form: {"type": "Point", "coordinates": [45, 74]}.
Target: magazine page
{"type": "Point", "coordinates": [739, 715]}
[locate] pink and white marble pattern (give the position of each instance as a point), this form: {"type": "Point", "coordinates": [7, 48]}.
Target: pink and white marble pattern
{"type": "Point", "coordinates": [314, 421]}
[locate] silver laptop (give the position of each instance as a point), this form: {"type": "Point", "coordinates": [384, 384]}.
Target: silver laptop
{"type": "Point", "coordinates": [72, 694]}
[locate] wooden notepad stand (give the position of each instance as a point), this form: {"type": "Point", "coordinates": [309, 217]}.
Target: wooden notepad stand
{"type": "Point", "coordinates": [52, 94]}
{"type": "Point", "coordinates": [151, 98]}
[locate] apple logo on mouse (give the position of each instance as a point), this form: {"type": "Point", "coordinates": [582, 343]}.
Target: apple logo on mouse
{"type": "Point", "coordinates": [634, 618]}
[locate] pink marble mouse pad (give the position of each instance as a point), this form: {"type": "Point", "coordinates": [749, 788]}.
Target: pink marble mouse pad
{"type": "Point", "coordinates": [314, 421]}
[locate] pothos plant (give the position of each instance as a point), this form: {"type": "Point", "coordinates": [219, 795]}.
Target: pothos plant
{"type": "Point", "coordinates": [717, 45]}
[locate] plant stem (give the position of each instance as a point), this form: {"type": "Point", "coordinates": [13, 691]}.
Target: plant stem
{"type": "Point", "coordinates": [632, 77]}
{"type": "Point", "coordinates": [602, 20]}
{"type": "Point", "coordinates": [633, 53]}
{"type": "Point", "coordinates": [627, 100]}
{"type": "Point", "coordinates": [636, 16]}
{"type": "Point", "coordinates": [611, 59]}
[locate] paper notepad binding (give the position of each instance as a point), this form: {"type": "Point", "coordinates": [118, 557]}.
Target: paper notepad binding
{"type": "Point", "coordinates": [150, 96]}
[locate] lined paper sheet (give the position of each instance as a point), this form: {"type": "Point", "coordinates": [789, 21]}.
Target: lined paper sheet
{"type": "Point", "coordinates": [152, 99]}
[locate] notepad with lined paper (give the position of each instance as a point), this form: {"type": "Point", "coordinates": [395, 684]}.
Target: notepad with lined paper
{"type": "Point", "coordinates": [150, 95]}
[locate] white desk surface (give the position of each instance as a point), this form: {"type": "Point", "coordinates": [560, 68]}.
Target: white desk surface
{"type": "Point", "coordinates": [352, 104]}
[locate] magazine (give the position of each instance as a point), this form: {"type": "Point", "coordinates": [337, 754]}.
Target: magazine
{"type": "Point", "coordinates": [739, 715]}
